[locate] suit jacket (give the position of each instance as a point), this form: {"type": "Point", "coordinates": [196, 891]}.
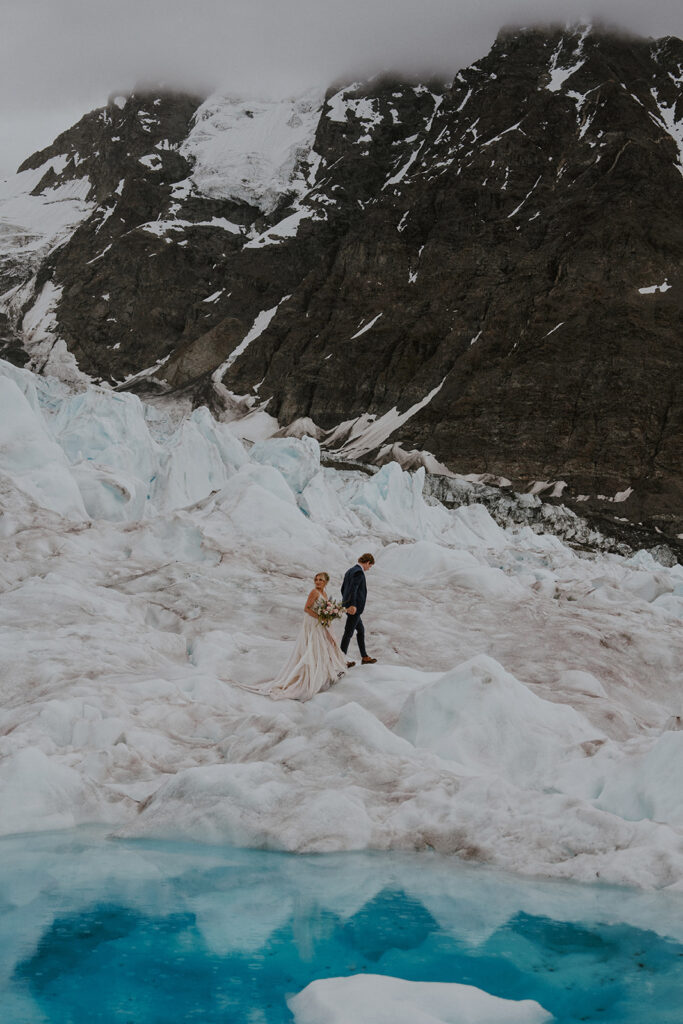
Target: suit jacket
{"type": "Point", "coordinates": [354, 588]}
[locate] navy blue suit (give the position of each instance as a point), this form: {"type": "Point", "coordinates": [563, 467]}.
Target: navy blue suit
{"type": "Point", "coordinates": [354, 593]}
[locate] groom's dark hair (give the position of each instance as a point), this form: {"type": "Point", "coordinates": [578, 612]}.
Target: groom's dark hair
{"type": "Point", "coordinates": [367, 557]}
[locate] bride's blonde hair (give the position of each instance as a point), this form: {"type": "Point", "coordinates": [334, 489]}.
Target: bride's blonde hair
{"type": "Point", "coordinates": [325, 574]}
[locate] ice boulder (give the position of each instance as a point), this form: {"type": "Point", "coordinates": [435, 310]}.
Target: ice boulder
{"type": "Point", "coordinates": [490, 723]}
{"type": "Point", "coordinates": [472, 526]}
{"type": "Point", "coordinates": [256, 804]}
{"type": "Point", "coordinates": [106, 428]}
{"type": "Point", "coordinates": [30, 457]}
{"type": "Point", "coordinates": [219, 435]}
{"type": "Point", "coordinates": [377, 999]}
{"type": "Point", "coordinates": [423, 560]}
{"type": "Point", "coordinates": [648, 586]}
{"type": "Point", "coordinates": [393, 500]}
{"type": "Point", "coordinates": [322, 501]}
{"type": "Point", "coordinates": [109, 494]}
{"type": "Point", "coordinates": [198, 459]}
{"type": "Point", "coordinates": [669, 605]}
{"type": "Point", "coordinates": [261, 517]}
{"type": "Point", "coordinates": [266, 478]}
{"type": "Point", "coordinates": [120, 467]}
{"type": "Point", "coordinates": [298, 459]}
{"type": "Point", "coordinates": [648, 785]}
{"type": "Point", "coordinates": [27, 382]}
{"type": "Point", "coordinates": [37, 793]}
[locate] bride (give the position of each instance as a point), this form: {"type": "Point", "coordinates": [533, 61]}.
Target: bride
{"type": "Point", "coordinates": [316, 662]}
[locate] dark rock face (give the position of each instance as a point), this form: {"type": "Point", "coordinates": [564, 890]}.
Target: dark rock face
{"type": "Point", "coordinates": [513, 240]}
{"type": "Point", "coordinates": [10, 346]}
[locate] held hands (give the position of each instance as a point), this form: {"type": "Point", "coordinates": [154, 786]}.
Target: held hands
{"type": "Point", "coordinates": [351, 610]}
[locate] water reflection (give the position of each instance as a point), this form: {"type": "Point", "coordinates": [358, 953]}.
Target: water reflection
{"type": "Point", "coordinates": [108, 931]}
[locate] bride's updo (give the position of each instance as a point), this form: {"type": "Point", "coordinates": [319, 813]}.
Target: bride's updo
{"type": "Point", "coordinates": [325, 576]}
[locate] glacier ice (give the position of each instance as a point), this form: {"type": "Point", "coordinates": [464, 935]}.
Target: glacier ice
{"type": "Point", "coordinates": [153, 563]}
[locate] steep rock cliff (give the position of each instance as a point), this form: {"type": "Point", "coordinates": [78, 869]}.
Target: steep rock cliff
{"type": "Point", "coordinates": [489, 270]}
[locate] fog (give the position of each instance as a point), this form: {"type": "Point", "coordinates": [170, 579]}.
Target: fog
{"type": "Point", "coordinates": [61, 58]}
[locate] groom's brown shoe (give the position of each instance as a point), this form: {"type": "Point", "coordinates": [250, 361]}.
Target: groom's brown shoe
{"type": "Point", "coordinates": [350, 664]}
{"type": "Point", "coordinates": [368, 661]}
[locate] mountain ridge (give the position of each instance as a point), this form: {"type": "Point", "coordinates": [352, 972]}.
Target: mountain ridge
{"type": "Point", "coordinates": [498, 258]}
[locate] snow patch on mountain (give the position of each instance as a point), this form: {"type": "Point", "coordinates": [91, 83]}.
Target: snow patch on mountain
{"type": "Point", "coordinates": [650, 289]}
{"type": "Point", "coordinates": [259, 325]}
{"type": "Point", "coordinates": [671, 123]}
{"type": "Point", "coordinates": [48, 352]}
{"type": "Point", "coordinates": [559, 73]}
{"type": "Point", "coordinates": [288, 227]}
{"type": "Point", "coordinates": [161, 227]}
{"type": "Point", "coordinates": [368, 432]}
{"type": "Point", "coordinates": [253, 151]}
{"type": "Point", "coordinates": [342, 106]}
{"type": "Point", "coordinates": [371, 998]}
{"type": "Point", "coordinates": [31, 226]}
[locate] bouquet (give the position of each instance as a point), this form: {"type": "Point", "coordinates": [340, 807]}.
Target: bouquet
{"type": "Point", "coordinates": [327, 610]}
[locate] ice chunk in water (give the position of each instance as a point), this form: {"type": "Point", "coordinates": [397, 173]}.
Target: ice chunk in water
{"type": "Point", "coordinates": [376, 999]}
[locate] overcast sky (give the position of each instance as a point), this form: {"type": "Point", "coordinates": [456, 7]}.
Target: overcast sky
{"type": "Point", "coordinates": [61, 58]}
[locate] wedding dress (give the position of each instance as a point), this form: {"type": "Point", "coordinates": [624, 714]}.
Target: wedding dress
{"type": "Point", "coordinates": [315, 664]}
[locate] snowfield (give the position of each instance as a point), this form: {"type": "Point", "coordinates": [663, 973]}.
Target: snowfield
{"type": "Point", "coordinates": [525, 709]}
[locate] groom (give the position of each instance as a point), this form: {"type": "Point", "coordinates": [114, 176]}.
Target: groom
{"type": "Point", "coordinates": [354, 591]}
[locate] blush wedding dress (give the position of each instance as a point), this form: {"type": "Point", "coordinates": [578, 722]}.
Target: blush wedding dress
{"type": "Point", "coordinates": [315, 664]}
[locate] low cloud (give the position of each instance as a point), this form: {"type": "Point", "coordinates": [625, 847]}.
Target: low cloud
{"type": "Point", "coordinates": [61, 58]}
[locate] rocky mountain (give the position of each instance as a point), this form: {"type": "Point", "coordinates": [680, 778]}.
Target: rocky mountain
{"type": "Point", "coordinates": [487, 270]}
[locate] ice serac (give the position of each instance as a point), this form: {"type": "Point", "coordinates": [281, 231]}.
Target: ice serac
{"type": "Point", "coordinates": [31, 459]}
{"type": "Point", "coordinates": [486, 270]}
{"type": "Point", "coordinates": [489, 722]}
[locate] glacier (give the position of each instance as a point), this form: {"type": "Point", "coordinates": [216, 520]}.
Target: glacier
{"type": "Point", "coordinates": [525, 711]}
{"type": "Point", "coordinates": [254, 150]}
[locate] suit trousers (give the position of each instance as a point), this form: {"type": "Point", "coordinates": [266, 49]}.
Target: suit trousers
{"type": "Point", "coordinates": [354, 623]}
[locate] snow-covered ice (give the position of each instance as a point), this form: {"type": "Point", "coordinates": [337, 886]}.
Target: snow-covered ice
{"type": "Point", "coordinates": [523, 710]}
{"type": "Point", "coordinates": [376, 999]}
